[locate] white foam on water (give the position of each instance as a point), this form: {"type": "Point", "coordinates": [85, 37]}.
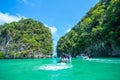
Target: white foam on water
{"type": "Point", "coordinates": [104, 60]}
{"type": "Point", "coordinates": [54, 67]}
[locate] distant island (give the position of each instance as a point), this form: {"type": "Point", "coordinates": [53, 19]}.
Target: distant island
{"type": "Point", "coordinates": [25, 39]}
{"type": "Point", "coordinates": [97, 34]}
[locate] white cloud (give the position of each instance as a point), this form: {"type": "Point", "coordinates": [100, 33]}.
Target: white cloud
{"type": "Point", "coordinates": [69, 30]}
{"type": "Point", "coordinates": [6, 18]}
{"type": "Point", "coordinates": [52, 28]}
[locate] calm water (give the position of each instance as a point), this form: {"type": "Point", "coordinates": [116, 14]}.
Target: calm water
{"type": "Point", "coordinates": [49, 69]}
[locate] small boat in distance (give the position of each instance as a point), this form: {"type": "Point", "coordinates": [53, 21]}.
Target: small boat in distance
{"type": "Point", "coordinates": [84, 56]}
{"type": "Point", "coordinates": [65, 58]}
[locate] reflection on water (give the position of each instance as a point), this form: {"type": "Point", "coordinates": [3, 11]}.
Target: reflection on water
{"type": "Point", "coordinates": [57, 66]}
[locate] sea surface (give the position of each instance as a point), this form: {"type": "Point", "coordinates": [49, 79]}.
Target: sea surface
{"type": "Point", "coordinates": [50, 69]}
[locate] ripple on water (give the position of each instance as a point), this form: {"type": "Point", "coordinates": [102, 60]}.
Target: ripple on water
{"type": "Point", "coordinates": [53, 67]}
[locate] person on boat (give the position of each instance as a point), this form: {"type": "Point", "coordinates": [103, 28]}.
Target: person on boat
{"type": "Point", "coordinates": [65, 58]}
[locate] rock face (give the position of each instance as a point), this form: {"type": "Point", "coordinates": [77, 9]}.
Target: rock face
{"type": "Point", "coordinates": [25, 39]}
{"type": "Point", "coordinates": [97, 34]}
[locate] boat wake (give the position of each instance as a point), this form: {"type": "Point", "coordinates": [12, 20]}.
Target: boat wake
{"type": "Point", "coordinates": [104, 60]}
{"type": "Point", "coordinates": [53, 67]}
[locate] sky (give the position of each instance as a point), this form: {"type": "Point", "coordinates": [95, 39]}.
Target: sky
{"type": "Point", "coordinates": [58, 15]}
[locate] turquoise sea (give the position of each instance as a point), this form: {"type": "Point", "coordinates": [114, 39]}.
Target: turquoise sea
{"type": "Point", "coordinates": [49, 69]}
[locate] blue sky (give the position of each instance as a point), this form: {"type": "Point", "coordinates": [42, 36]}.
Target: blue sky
{"type": "Point", "coordinates": [59, 15]}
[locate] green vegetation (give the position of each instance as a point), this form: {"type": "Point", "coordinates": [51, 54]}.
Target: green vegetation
{"type": "Point", "coordinates": [2, 55]}
{"type": "Point", "coordinates": [25, 39]}
{"type": "Point", "coordinates": [97, 34]}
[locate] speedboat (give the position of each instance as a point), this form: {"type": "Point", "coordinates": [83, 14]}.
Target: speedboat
{"type": "Point", "coordinates": [65, 58]}
{"type": "Point", "coordinates": [85, 56]}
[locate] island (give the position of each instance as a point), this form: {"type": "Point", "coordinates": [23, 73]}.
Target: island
{"type": "Point", "coordinates": [27, 38]}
